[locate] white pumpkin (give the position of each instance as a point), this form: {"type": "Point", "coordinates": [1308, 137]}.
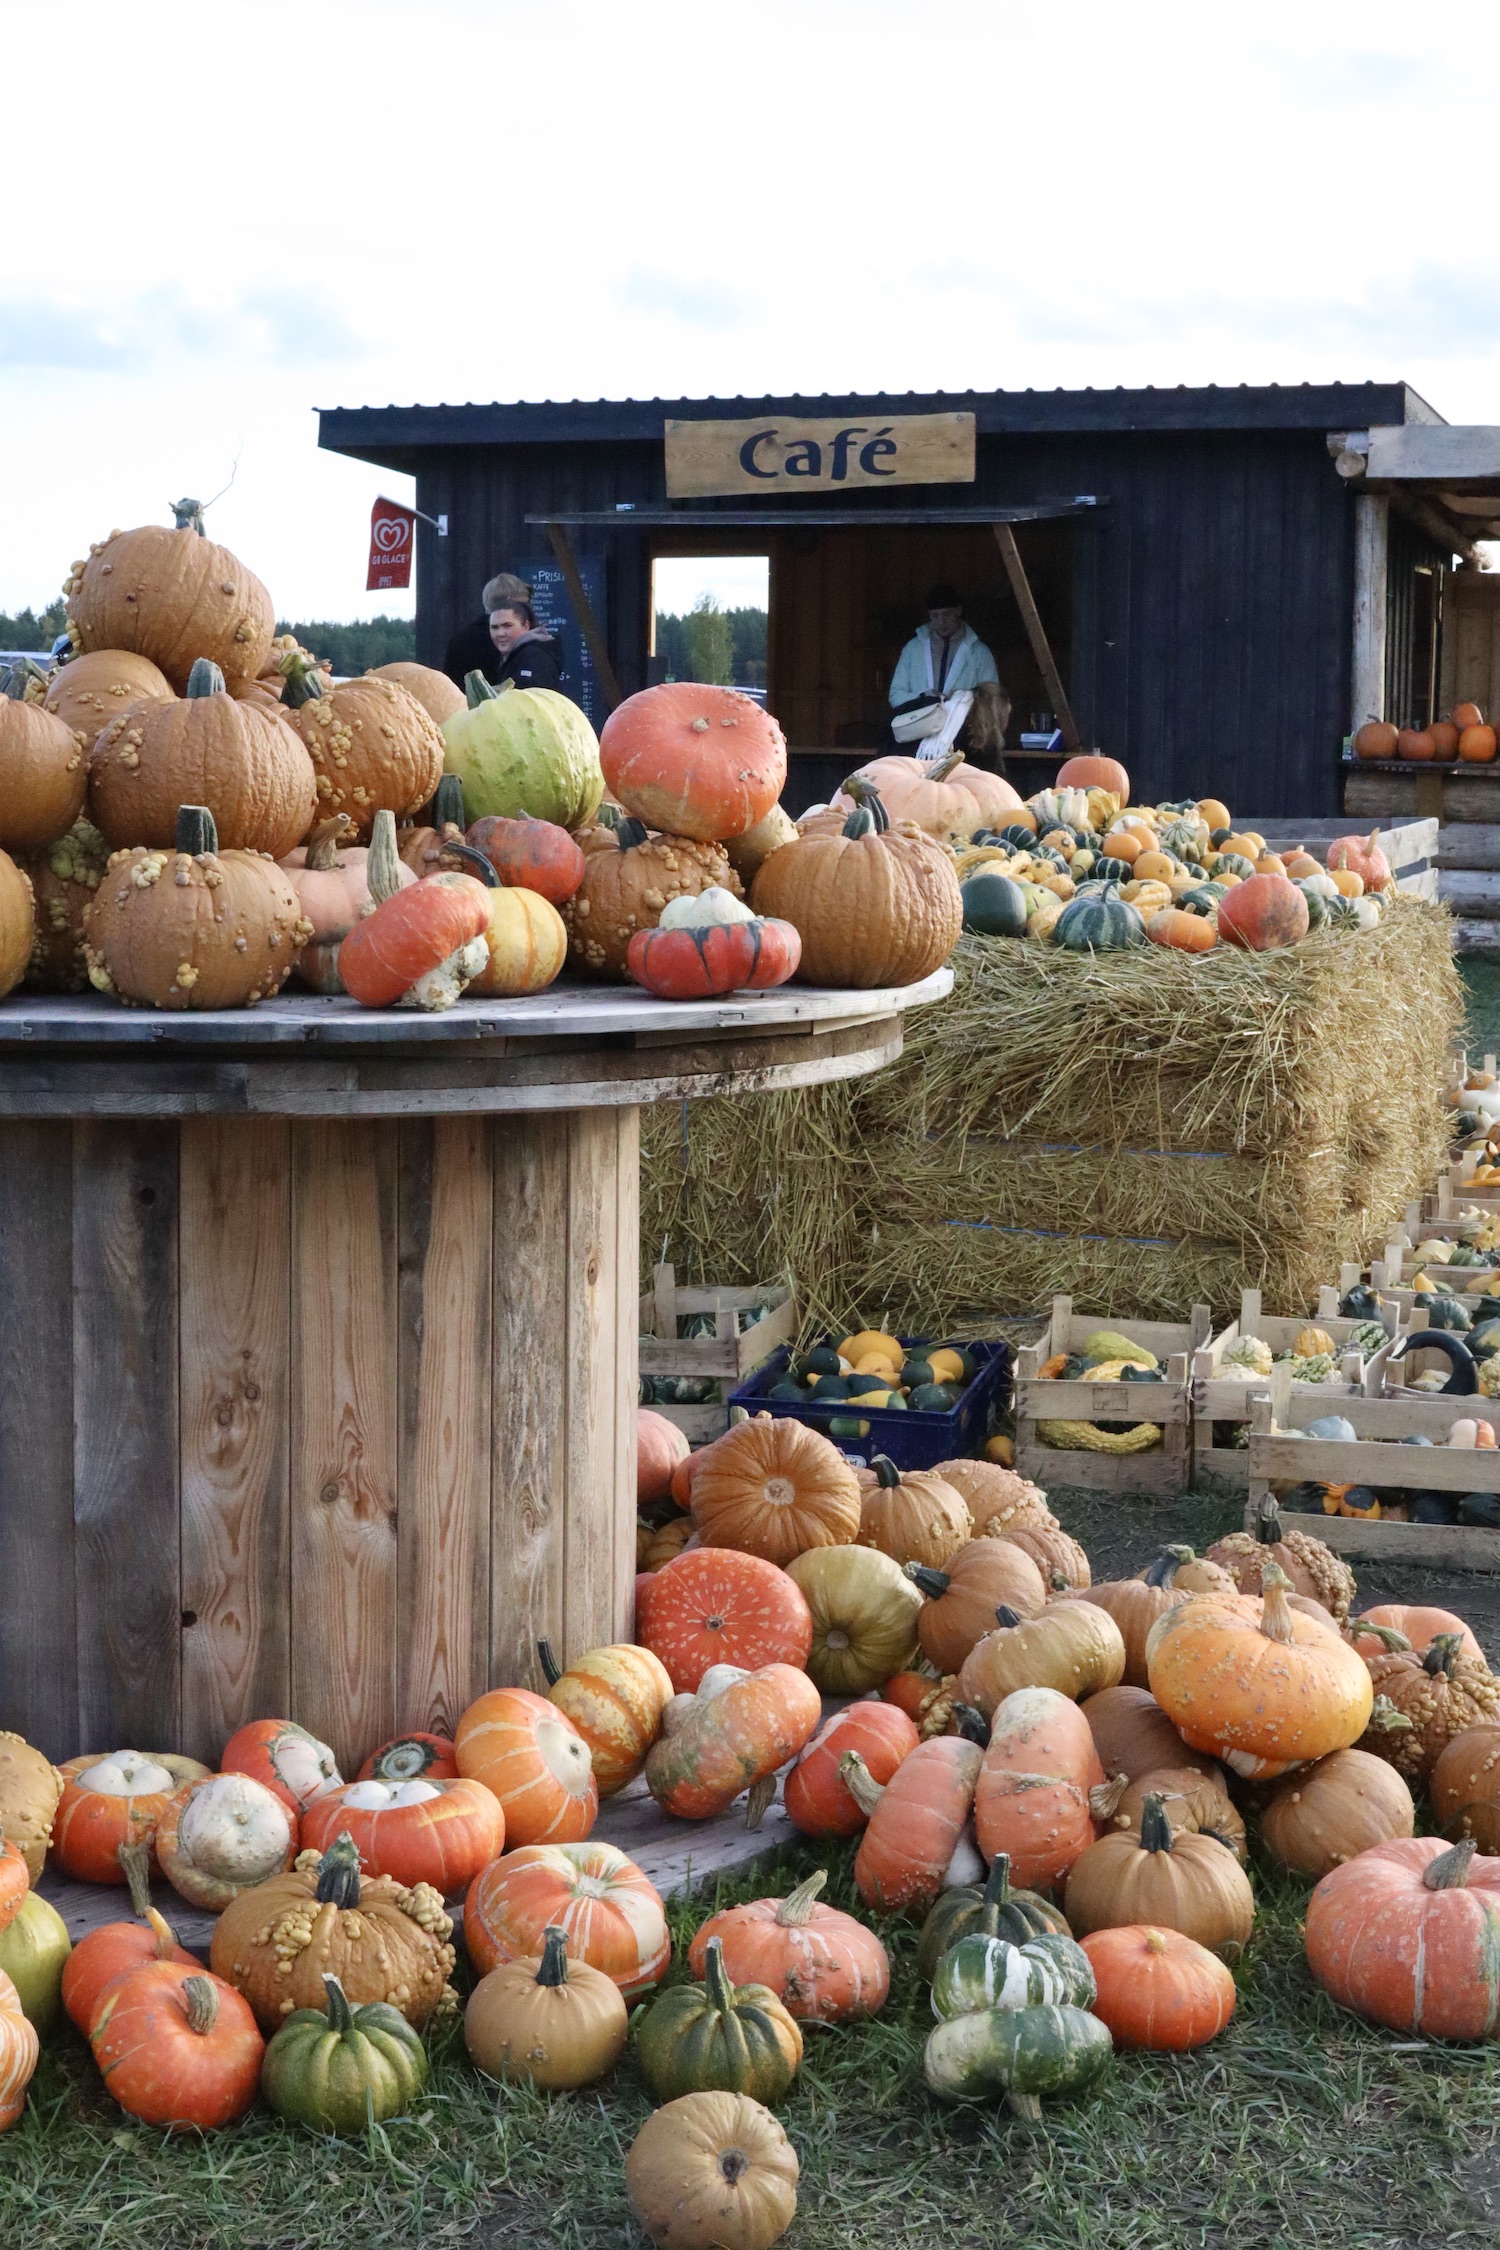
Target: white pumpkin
{"type": "Point", "coordinates": [229, 1833]}
{"type": "Point", "coordinates": [129, 1773]}
{"type": "Point", "coordinates": [704, 910]}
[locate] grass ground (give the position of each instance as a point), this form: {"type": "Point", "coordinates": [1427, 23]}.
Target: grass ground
{"type": "Point", "coordinates": [1299, 2126]}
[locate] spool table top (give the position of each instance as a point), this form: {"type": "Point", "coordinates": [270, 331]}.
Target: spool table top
{"type": "Point", "coordinates": [574, 1046]}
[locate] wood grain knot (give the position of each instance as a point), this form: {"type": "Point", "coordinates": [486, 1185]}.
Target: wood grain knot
{"type": "Point", "coordinates": [329, 1493]}
{"type": "Point", "coordinates": [591, 1270]}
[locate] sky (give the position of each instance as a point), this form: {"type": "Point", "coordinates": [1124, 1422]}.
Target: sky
{"type": "Point", "coordinates": [242, 212]}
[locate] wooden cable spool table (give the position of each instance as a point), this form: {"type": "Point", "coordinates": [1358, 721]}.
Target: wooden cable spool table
{"type": "Point", "coordinates": [318, 1344]}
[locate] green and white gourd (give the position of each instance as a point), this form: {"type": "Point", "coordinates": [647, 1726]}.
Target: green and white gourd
{"type": "Point", "coordinates": [1021, 2053]}
{"type": "Point", "coordinates": [989, 1972]}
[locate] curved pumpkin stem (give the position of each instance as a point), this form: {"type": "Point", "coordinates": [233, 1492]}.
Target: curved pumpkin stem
{"type": "Point", "coordinates": [135, 1861]}
{"type": "Point", "coordinates": [716, 1977]}
{"type": "Point", "coordinates": [796, 1908]}
{"type": "Point", "coordinates": [477, 690]}
{"type": "Point", "coordinates": [1386, 1719]}
{"type": "Point", "coordinates": [1168, 1563]}
{"type": "Point", "coordinates": [1275, 1609]}
{"type": "Point", "coordinates": [447, 807]}
{"type": "Point", "coordinates": [758, 1802]}
{"type": "Point", "coordinates": [1104, 1797]}
{"type": "Point", "coordinates": [383, 866]}
{"type": "Point", "coordinates": [1451, 1871]}
{"type": "Point", "coordinates": [996, 1894]}
{"type": "Point", "coordinates": [304, 680]}
{"type": "Point", "coordinates": [340, 2014]}
{"type": "Point", "coordinates": [554, 1963]}
{"type": "Point", "coordinates": [196, 832]}
{"type": "Point", "coordinates": [933, 1583]}
{"type": "Point", "coordinates": [187, 515]}
{"type": "Point", "coordinates": [1007, 1617]}
{"type": "Point", "coordinates": [1443, 1655]}
{"type": "Point", "coordinates": [1392, 1643]}
{"type": "Point", "coordinates": [887, 1475]}
{"type": "Point", "coordinates": [1156, 1829]}
{"type": "Point", "coordinates": [202, 2005]}
{"type": "Point", "coordinates": [323, 841]}
{"type": "Point", "coordinates": [338, 1873]}
{"type": "Point", "coordinates": [486, 872]}
{"type": "Point", "coordinates": [860, 1783]}
{"type": "Point", "coordinates": [551, 1669]}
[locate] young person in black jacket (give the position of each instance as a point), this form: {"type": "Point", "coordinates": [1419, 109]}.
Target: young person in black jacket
{"type": "Point", "coordinates": [529, 656]}
{"type": "Point", "coordinates": [471, 648]}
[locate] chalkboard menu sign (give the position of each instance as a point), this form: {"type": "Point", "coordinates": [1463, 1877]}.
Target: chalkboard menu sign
{"type": "Point", "coordinates": [554, 609]}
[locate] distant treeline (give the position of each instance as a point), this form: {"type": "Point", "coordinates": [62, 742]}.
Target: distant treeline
{"type": "Point", "coordinates": [356, 648]}
{"type": "Point", "coordinates": [698, 646]}
{"type": "Point", "coordinates": [33, 628]}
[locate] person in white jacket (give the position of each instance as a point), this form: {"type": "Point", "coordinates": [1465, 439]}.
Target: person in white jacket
{"type": "Point", "coordinates": [946, 660]}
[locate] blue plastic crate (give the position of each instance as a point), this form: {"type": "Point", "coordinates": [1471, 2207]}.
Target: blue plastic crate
{"type": "Point", "coordinates": [912, 1441]}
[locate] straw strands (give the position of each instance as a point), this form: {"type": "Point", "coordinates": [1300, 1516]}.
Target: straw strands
{"type": "Point", "coordinates": [1143, 1129]}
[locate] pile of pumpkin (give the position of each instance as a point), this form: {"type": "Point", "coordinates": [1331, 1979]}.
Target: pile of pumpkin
{"type": "Point", "coordinates": [873, 1369]}
{"type": "Point", "coordinates": [1463, 734]}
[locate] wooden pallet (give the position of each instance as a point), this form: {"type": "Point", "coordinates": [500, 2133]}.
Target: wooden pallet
{"type": "Point", "coordinates": [1223, 1398]}
{"type": "Point", "coordinates": [1167, 1468]}
{"type": "Point", "coordinates": [726, 1357]}
{"type": "Point", "coordinates": [1376, 1457]}
{"type": "Point", "coordinates": [1410, 847]}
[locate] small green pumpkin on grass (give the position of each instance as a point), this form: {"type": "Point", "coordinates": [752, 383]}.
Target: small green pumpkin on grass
{"type": "Point", "coordinates": [346, 2069]}
{"type": "Point", "coordinates": [990, 1972]}
{"type": "Point", "coordinates": [994, 1911]}
{"type": "Point", "coordinates": [1021, 2053]}
{"type": "Point", "coordinates": [716, 2037]}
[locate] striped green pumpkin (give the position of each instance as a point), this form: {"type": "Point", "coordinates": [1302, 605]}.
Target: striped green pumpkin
{"type": "Point", "coordinates": [995, 1911]}
{"type": "Point", "coordinates": [716, 2037]}
{"type": "Point", "coordinates": [989, 1972]}
{"type": "Point", "coordinates": [1100, 924]}
{"type": "Point", "coordinates": [1021, 2053]}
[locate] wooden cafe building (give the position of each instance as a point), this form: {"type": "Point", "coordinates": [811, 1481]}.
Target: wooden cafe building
{"type": "Point", "coordinates": [1211, 584]}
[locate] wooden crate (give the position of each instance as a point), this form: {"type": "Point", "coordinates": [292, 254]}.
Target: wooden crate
{"type": "Point", "coordinates": [1410, 846]}
{"type": "Point", "coordinates": [1168, 1467]}
{"type": "Point", "coordinates": [1376, 1457]}
{"type": "Point", "coordinates": [1223, 1398]}
{"type": "Point", "coordinates": [726, 1357]}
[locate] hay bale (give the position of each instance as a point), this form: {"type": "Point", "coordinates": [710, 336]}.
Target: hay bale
{"type": "Point", "coordinates": [1144, 1128]}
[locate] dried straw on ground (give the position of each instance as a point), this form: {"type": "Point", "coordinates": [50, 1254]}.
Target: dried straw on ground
{"type": "Point", "coordinates": [1145, 1129]}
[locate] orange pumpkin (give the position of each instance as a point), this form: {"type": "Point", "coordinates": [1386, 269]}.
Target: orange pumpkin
{"type": "Point", "coordinates": [1377, 738]}
{"type": "Point", "coordinates": [15, 1881]}
{"type": "Point", "coordinates": [823, 1966]}
{"type": "Point", "coordinates": [912, 1515]}
{"type": "Point", "coordinates": [735, 1741]}
{"type": "Point", "coordinates": [615, 1697]}
{"type": "Point", "coordinates": [1343, 1805]}
{"type": "Point", "coordinates": [1090, 769]}
{"type": "Point", "coordinates": [43, 773]}
{"type": "Point", "coordinates": [107, 1802]}
{"type": "Point", "coordinates": [437, 1832]}
{"type": "Point", "coordinates": [293, 1764]}
{"type": "Point", "coordinates": [1072, 1647]}
{"type": "Point", "coordinates": [1408, 1934]}
{"type": "Point", "coordinates": [1032, 1798]}
{"type": "Point", "coordinates": [104, 1955]}
{"type": "Point", "coordinates": [532, 1757]}
{"type": "Point", "coordinates": [1419, 1623]}
{"type": "Point", "coordinates": [1476, 745]}
{"type": "Point", "coordinates": [713, 1606]}
{"type": "Point", "coordinates": [1464, 1786]}
{"type": "Point", "coordinates": [612, 1914]}
{"type": "Point", "coordinates": [947, 800]}
{"type": "Point", "coordinates": [1197, 1802]}
{"type": "Point", "coordinates": [773, 1487]}
{"type": "Point", "coordinates": [659, 1446]}
{"type": "Point", "coordinates": [1136, 1603]}
{"type": "Point", "coordinates": [817, 1799]}
{"type": "Point", "coordinates": [981, 1576]}
{"type": "Point", "coordinates": [178, 2048]}
{"type": "Point", "coordinates": [533, 855]}
{"type": "Point", "coordinates": [694, 760]}
{"type": "Point", "coordinates": [1186, 933]}
{"type": "Point", "coordinates": [1361, 856]}
{"type": "Point", "coordinates": [1263, 913]}
{"type": "Point", "coordinates": [1257, 1683]}
{"type": "Point", "coordinates": [410, 934]}
{"type": "Point", "coordinates": [1157, 1989]}
{"type": "Point", "coordinates": [915, 1823]}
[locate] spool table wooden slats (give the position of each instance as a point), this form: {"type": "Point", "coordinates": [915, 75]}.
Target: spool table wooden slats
{"type": "Point", "coordinates": [318, 1342]}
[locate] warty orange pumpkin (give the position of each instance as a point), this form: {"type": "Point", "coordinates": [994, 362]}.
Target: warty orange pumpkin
{"type": "Point", "coordinates": [823, 1966]}
{"type": "Point", "coordinates": [694, 760]}
{"type": "Point", "coordinates": [1136, 1603]}
{"type": "Point", "coordinates": [373, 746]}
{"type": "Point", "coordinates": [1464, 1786]}
{"type": "Point", "coordinates": [627, 882]}
{"type": "Point", "coordinates": [713, 1606]}
{"type": "Point", "coordinates": [204, 748]}
{"type": "Point", "coordinates": [173, 596]}
{"type": "Point", "coordinates": [1133, 1734]}
{"type": "Point", "coordinates": [1072, 1647]}
{"type": "Point", "coordinates": [43, 770]}
{"type": "Point", "coordinates": [1439, 1695]}
{"type": "Point", "coordinates": [89, 691]}
{"type": "Point", "coordinates": [873, 905]}
{"type": "Point", "coordinates": [1345, 1804]}
{"type": "Point", "coordinates": [17, 923]}
{"type": "Point", "coordinates": [63, 878]}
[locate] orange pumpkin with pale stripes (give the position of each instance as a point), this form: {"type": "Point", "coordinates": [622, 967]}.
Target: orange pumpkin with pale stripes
{"type": "Point", "coordinates": [533, 1758]}
{"type": "Point", "coordinates": [610, 1911]}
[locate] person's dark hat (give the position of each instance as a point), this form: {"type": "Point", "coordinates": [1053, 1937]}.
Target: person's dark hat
{"type": "Point", "coordinates": [944, 596]}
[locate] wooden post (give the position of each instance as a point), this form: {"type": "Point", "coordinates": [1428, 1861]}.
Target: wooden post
{"type": "Point", "coordinates": [1036, 633]}
{"type": "Point", "coordinates": [1372, 522]}
{"type": "Point", "coordinates": [583, 609]}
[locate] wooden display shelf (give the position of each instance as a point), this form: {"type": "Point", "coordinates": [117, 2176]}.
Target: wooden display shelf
{"type": "Point", "coordinates": [1165, 1468]}
{"type": "Point", "coordinates": [318, 1344]}
{"type": "Point", "coordinates": [1223, 1398]}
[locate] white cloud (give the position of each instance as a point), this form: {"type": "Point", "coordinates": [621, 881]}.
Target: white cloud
{"type": "Point", "coordinates": [250, 210]}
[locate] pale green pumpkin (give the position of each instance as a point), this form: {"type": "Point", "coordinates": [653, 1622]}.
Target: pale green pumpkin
{"type": "Point", "coordinates": [524, 750]}
{"type": "Point", "coordinates": [1021, 2053]}
{"type": "Point", "coordinates": [989, 1972]}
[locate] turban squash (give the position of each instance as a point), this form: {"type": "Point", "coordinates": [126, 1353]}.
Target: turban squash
{"type": "Point", "coordinates": [172, 596]}
{"type": "Point", "coordinates": [873, 905]}
{"type": "Point", "coordinates": [609, 1911]}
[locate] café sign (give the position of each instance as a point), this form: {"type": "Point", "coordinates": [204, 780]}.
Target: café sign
{"type": "Point", "coordinates": [783, 453]}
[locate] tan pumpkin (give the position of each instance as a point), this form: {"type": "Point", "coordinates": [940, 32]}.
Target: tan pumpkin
{"type": "Point", "coordinates": [435, 692]}
{"type": "Point", "coordinates": [1174, 1879]}
{"type": "Point", "coordinates": [43, 771]}
{"type": "Point", "coordinates": [173, 596]}
{"type": "Point", "coordinates": [873, 905]}
{"type": "Point", "coordinates": [626, 884]}
{"type": "Point", "coordinates": [91, 690]}
{"type": "Point", "coordinates": [1062, 1562]}
{"type": "Point", "coordinates": [203, 748]}
{"type": "Point", "coordinates": [1194, 1801]}
{"type": "Point", "coordinates": [961, 1600]}
{"type": "Point", "coordinates": [775, 1488]}
{"type": "Point", "coordinates": [1439, 1695]}
{"type": "Point", "coordinates": [276, 1942]}
{"type": "Point", "coordinates": [1345, 1804]}
{"type": "Point", "coordinates": [374, 747]}
{"type": "Point", "coordinates": [64, 878]}
{"type": "Point", "coordinates": [1071, 1647]}
{"type": "Point", "coordinates": [30, 1790]}
{"type": "Point", "coordinates": [1136, 1603]}
{"type": "Point", "coordinates": [864, 1613]}
{"type": "Point", "coordinates": [912, 1515]}
{"type": "Point", "coordinates": [1134, 1736]}
{"type": "Point", "coordinates": [331, 879]}
{"type": "Point", "coordinates": [1464, 1786]}
{"type": "Point", "coordinates": [712, 2172]}
{"type": "Point", "coordinates": [550, 2022]}
{"type": "Point", "coordinates": [1312, 1567]}
{"type": "Point", "coordinates": [17, 923]}
{"type": "Point", "coordinates": [998, 1500]}
{"type": "Point", "coordinates": [193, 928]}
